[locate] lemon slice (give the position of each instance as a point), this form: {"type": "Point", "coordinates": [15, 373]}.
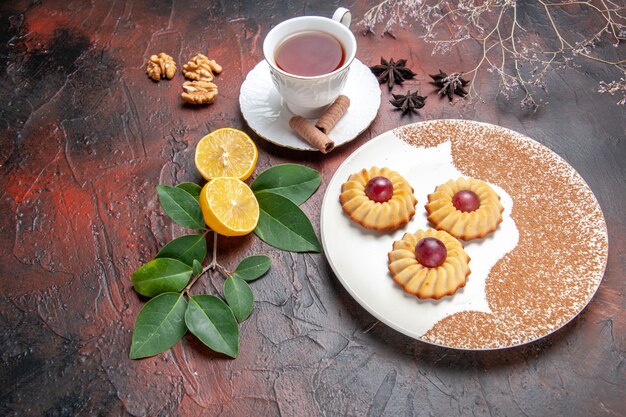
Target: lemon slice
{"type": "Point", "coordinates": [229, 206]}
{"type": "Point", "coordinates": [226, 153]}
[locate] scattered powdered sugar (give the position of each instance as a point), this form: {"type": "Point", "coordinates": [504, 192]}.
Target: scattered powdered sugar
{"type": "Point", "coordinates": [559, 261]}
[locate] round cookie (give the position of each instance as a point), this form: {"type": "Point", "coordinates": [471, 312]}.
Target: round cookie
{"type": "Point", "coordinates": [378, 198]}
{"type": "Point", "coordinates": [466, 208]}
{"type": "Point", "coordinates": [409, 254]}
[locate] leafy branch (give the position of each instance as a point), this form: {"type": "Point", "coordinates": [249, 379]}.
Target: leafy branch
{"type": "Point", "coordinates": [519, 57]}
{"type": "Point", "coordinates": [169, 278]}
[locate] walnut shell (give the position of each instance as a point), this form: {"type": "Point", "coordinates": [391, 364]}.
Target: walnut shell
{"type": "Point", "coordinates": [161, 66]}
{"type": "Point", "coordinates": [201, 68]}
{"type": "Point", "coordinates": [199, 92]}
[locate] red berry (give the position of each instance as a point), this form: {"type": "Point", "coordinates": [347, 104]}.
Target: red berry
{"type": "Point", "coordinates": [466, 200]}
{"type": "Point", "coordinates": [379, 189]}
{"type": "Point", "coordinates": [430, 252]}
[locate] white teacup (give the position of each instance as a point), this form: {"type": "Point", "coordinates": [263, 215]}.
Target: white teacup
{"type": "Point", "coordinates": [310, 96]}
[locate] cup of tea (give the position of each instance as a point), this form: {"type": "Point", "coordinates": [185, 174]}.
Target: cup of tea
{"type": "Point", "coordinates": [309, 59]}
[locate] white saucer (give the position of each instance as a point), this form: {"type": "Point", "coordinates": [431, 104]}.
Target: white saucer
{"type": "Point", "coordinates": [263, 107]}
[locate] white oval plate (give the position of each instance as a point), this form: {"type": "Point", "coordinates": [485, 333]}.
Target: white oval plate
{"type": "Point", "coordinates": [359, 256]}
{"type": "Point", "coordinates": [263, 107]}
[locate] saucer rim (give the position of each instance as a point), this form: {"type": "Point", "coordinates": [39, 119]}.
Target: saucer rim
{"type": "Point", "coordinates": [309, 148]}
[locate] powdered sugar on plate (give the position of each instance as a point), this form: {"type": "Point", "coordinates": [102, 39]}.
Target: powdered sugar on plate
{"type": "Point", "coordinates": [560, 258]}
{"type": "Point", "coordinates": [538, 270]}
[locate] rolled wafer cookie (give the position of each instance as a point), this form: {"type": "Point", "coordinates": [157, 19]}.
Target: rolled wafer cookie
{"type": "Point", "coordinates": [331, 116]}
{"type": "Point", "coordinates": [311, 134]}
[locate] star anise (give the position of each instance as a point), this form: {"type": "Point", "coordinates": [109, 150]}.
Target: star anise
{"type": "Point", "coordinates": [450, 84]}
{"type": "Point", "coordinates": [409, 102]}
{"type": "Point", "coordinates": [392, 72]}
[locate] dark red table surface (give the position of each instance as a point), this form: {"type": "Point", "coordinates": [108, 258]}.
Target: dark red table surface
{"type": "Point", "coordinates": [85, 138]}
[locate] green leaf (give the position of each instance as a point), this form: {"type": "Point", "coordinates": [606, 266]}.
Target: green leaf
{"type": "Point", "coordinates": [197, 268]}
{"type": "Point", "coordinates": [253, 267]}
{"type": "Point", "coordinates": [181, 206]}
{"type": "Point", "coordinates": [283, 225]}
{"type": "Point", "coordinates": [160, 324]}
{"type": "Point", "coordinates": [239, 297]}
{"type": "Point", "coordinates": [293, 181]}
{"type": "Point", "coordinates": [161, 275]}
{"type": "Point", "coordinates": [213, 322]}
{"type": "Point", "coordinates": [186, 249]}
{"type": "Point", "coordinates": [192, 188]}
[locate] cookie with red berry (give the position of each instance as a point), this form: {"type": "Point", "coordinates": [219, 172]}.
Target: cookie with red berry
{"type": "Point", "coordinates": [429, 264]}
{"type": "Point", "coordinates": [378, 198]}
{"type": "Point", "coordinates": [466, 208]}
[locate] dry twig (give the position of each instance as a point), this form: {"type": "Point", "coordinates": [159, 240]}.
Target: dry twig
{"type": "Point", "coordinates": [517, 55]}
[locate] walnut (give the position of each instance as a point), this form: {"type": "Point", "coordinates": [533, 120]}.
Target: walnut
{"type": "Point", "coordinates": [161, 66]}
{"type": "Point", "coordinates": [201, 68]}
{"type": "Point", "coordinates": [199, 92]}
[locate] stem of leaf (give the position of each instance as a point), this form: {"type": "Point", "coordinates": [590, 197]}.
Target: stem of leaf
{"type": "Point", "coordinates": [207, 268]}
{"type": "Point", "coordinates": [213, 263]}
{"type": "Point", "coordinates": [223, 270]}
{"type": "Point", "coordinates": [193, 281]}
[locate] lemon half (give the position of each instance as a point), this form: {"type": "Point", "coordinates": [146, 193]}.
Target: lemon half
{"type": "Point", "coordinates": [229, 206]}
{"type": "Point", "coordinates": [226, 153]}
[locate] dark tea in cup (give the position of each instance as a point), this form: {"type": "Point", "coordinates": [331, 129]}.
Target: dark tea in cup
{"type": "Point", "coordinates": [309, 59]}
{"type": "Point", "coordinates": [309, 54]}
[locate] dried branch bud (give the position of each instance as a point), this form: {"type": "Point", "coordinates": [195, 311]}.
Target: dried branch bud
{"type": "Point", "coordinates": [445, 24]}
{"type": "Point", "coordinates": [161, 66]}
{"type": "Point", "coordinates": [199, 92]}
{"type": "Point", "coordinates": [201, 68]}
{"type": "Point", "coordinates": [615, 87]}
